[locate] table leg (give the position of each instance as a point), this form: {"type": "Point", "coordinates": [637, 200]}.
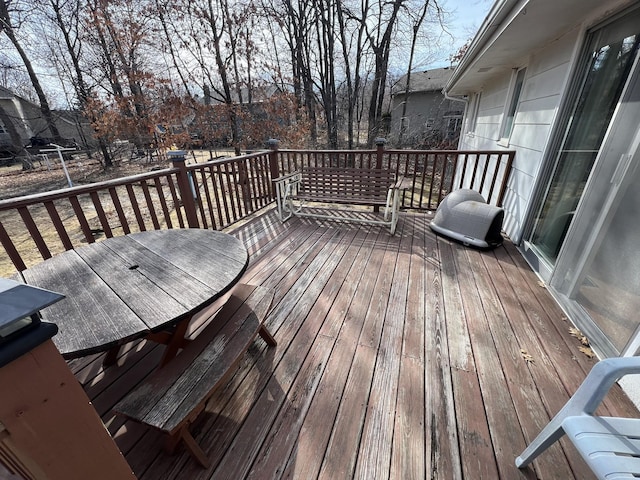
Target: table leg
{"type": "Point", "coordinates": [111, 357]}
{"type": "Point", "coordinates": [267, 337]}
{"type": "Point", "coordinates": [176, 342]}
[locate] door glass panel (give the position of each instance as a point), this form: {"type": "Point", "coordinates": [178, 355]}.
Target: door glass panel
{"type": "Point", "coordinates": [609, 289]}
{"type": "Point", "coordinates": [608, 61]}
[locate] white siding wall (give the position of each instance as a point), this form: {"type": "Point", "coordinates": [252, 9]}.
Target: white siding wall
{"type": "Point", "coordinates": [545, 81]}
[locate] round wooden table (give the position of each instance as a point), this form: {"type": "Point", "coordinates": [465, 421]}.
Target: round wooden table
{"type": "Point", "coordinates": [136, 285]}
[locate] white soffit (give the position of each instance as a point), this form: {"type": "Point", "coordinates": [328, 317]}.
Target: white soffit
{"type": "Point", "coordinates": [511, 32]}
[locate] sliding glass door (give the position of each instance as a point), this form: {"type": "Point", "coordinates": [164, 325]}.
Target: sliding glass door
{"type": "Point", "coordinates": [606, 66]}
{"type": "Point", "coordinates": [586, 231]}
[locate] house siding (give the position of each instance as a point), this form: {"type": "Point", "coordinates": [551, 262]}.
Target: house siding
{"type": "Point", "coordinates": [545, 81]}
{"type": "Point", "coordinates": [29, 122]}
{"type": "Point", "coordinates": [426, 112]}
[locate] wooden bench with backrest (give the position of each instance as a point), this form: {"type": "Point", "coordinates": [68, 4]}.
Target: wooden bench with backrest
{"type": "Point", "coordinates": [340, 186]}
{"type": "Point", "coordinates": [173, 396]}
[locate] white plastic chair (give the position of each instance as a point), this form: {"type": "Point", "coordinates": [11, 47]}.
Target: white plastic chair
{"type": "Point", "coordinates": [609, 445]}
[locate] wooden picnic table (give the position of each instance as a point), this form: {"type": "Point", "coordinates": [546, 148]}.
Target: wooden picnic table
{"type": "Point", "coordinates": [146, 284]}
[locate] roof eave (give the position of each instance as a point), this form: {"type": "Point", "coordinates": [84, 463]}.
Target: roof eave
{"type": "Point", "coordinates": [487, 32]}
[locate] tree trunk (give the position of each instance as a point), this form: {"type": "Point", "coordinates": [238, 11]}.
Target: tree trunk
{"type": "Point", "coordinates": [416, 28]}
{"type": "Point", "coordinates": [5, 24]}
{"type": "Point", "coordinates": [381, 50]}
{"type": "Point", "coordinates": [81, 88]}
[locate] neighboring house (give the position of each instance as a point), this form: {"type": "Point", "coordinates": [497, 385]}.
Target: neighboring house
{"type": "Point", "coordinates": [559, 83]}
{"type": "Point", "coordinates": [428, 118]}
{"type": "Point", "coordinates": [21, 120]}
{"type": "Point", "coordinates": [15, 128]}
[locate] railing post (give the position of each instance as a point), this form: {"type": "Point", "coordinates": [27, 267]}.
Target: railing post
{"type": "Point", "coordinates": [274, 169]}
{"type": "Point", "coordinates": [505, 177]}
{"type": "Point", "coordinates": [379, 157]}
{"type": "Point", "coordinates": [380, 151]}
{"type": "Point", "coordinates": [185, 186]}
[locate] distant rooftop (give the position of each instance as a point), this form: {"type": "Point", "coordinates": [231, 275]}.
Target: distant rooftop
{"type": "Point", "coordinates": [425, 81]}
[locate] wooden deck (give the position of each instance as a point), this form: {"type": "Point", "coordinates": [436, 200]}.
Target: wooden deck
{"type": "Point", "coordinates": [401, 357]}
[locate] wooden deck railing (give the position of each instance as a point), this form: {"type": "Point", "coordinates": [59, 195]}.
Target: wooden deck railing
{"type": "Point", "coordinates": [217, 194]}
{"type": "Point", "coordinates": [207, 195]}
{"type": "Point", "coordinates": [433, 173]}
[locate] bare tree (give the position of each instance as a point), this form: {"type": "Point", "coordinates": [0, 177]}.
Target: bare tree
{"type": "Point", "coordinates": [7, 26]}
{"type": "Point", "coordinates": [295, 19]}
{"type": "Point", "coordinates": [324, 57]}
{"type": "Point", "coordinates": [145, 61]}
{"type": "Point", "coordinates": [352, 48]}
{"type": "Point", "coordinates": [415, 30]}
{"type": "Point", "coordinates": [380, 37]}
{"type": "Point", "coordinates": [66, 17]}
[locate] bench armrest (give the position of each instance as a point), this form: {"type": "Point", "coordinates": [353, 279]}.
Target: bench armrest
{"type": "Point", "coordinates": [286, 185]}
{"type": "Point", "coordinates": [401, 183]}
{"type": "Point", "coordinates": [286, 178]}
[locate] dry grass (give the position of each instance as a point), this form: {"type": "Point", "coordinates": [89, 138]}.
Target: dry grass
{"type": "Point", "coordinates": [14, 182]}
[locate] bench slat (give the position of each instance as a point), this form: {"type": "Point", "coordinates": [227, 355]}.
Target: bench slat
{"type": "Point", "coordinates": [345, 185]}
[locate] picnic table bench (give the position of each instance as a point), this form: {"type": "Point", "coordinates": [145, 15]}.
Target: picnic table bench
{"type": "Point", "coordinates": [338, 186]}
{"type": "Point", "coordinates": [173, 396]}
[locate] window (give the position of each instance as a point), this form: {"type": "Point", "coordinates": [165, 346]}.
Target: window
{"type": "Point", "coordinates": [516, 90]}
{"type": "Point", "coordinates": [453, 128]}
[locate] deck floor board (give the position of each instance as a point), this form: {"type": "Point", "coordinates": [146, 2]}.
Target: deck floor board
{"type": "Point", "coordinates": [401, 357]}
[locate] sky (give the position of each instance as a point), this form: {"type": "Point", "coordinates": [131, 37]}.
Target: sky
{"type": "Point", "coordinates": [464, 19]}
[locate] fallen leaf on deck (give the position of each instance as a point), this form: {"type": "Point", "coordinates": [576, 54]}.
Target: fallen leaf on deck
{"type": "Point", "coordinates": [541, 284]}
{"type": "Point", "coordinates": [587, 351]}
{"type": "Point", "coordinates": [527, 358]}
{"type": "Point", "coordinates": [579, 335]}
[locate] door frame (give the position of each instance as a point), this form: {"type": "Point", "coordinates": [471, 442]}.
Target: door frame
{"type": "Point", "coordinates": [567, 260]}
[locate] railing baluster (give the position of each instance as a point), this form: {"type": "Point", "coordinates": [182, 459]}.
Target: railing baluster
{"type": "Point", "coordinates": [11, 250]}
{"type": "Point", "coordinates": [505, 178]}
{"type": "Point", "coordinates": [424, 180]}
{"type": "Point", "coordinates": [149, 202]}
{"type": "Point", "coordinates": [102, 216]}
{"type": "Point", "coordinates": [32, 228]}
{"type": "Point", "coordinates": [198, 200]}
{"type": "Point", "coordinates": [433, 177]}
{"type": "Point", "coordinates": [485, 170]}
{"type": "Point", "coordinates": [216, 185]}
{"type": "Point", "coordinates": [82, 219]}
{"type": "Point", "coordinates": [445, 160]}
{"type": "Point", "coordinates": [163, 203]}
{"type": "Point", "coordinates": [252, 188]}
{"type": "Point", "coordinates": [463, 174]}
{"type": "Point", "coordinates": [245, 190]}
{"type": "Point", "coordinates": [136, 208]}
{"type": "Point", "coordinates": [494, 177]}
{"type": "Point", "coordinates": [233, 185]}
{"type": "Point", "coordinates": [58, 225]}
{"type": "Point", "coordinates": [475, 171]}
{"type": "Point", "coordinates": [177, 203]}
{"type": "Point", "coordinates": [124, 223]}
{"type": "Point", "coordinates": [204, 186]}
{"type": "Point", "coordinates": [224, 188]}
{"type": "Point", "coordinates": [454, 168]}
